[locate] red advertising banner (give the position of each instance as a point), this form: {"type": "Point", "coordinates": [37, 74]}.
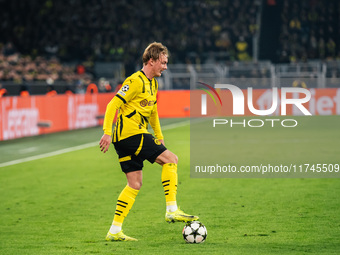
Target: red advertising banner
{"type": "Point", "coordinates": [34, 115]}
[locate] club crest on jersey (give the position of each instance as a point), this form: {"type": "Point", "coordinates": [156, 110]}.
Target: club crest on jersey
{"type": "Point", "coordinates": [145, 102]}
{"type": "Point", "coordinates": [125, 88]}
{"type": "Point", "coordinates": [157, 141]}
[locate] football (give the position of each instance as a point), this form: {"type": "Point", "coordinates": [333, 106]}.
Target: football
{"type": "Point", "coordinates": [194, 232]}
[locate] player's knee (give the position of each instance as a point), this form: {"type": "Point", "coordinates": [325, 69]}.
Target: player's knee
{"type": "Point", "coordinates": [172, 158]}
{"type": "Point", "coordinates": [167, 157]}
{"type": "Point", "coordinates": [134, 179]}
{"type": "Point", "coordinates": [135, 184]}
{"type": "Point", "coordinates": [139, 185]}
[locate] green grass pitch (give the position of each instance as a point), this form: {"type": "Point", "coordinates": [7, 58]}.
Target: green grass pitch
{"type": "Point", "coordinates": [65, 204]}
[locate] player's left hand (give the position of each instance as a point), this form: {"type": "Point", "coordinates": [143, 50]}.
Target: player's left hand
{"type": "Point", "coordinates": [104, 143]}
{"type": "Point", "coordinates": [162, 141]}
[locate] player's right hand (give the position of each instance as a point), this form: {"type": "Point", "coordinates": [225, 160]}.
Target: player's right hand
{"type": "Point", "coordinates": [105, 142]}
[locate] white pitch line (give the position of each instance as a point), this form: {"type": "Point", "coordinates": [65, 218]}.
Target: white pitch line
{"type": "Point", "coordinates": [49, 154]}
{"type": "Point", "coordinates": [176, 125]}
{"type": "Point", "coordinates": [76, 148]}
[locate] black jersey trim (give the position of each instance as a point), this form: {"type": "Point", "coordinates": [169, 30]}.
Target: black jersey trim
{"type": "Point", "coordinates": [143, 83]}
{"type": "Point", "coordinates": [144, 118]}
{"type": "Point", "coordinates": [121, 98]}
{"type": "Point", "coordinates": [121, 125]}
{"type": "Point", "coordinates": [131, 114]}
{"type": "Point", "coordinates": [116, 131]}
{"type": "Point", "coordinates": [151, 88]}
{"type": "Point", "coordinates": [145, 75]}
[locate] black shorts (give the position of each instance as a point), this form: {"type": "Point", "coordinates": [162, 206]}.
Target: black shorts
{"type": "Point", "coordinates": [133, 150]}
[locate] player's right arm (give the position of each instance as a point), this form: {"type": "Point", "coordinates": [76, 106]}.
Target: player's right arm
{"type": "Point", "coordinates": [105, 142]}
{"type": "Point", "coordinates": [124, 95]}
{"type": "Point", "coordinates": [110, 113]}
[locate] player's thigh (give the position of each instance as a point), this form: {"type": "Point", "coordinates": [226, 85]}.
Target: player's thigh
{"type": "Point", "coordinates": [126, 150]}
{"type": "Point", "coordinates": [167, 157]}
{"type": "Point", "coordinates": [128, 146]}
{"type": "Point", "coordinates": [151, 148]}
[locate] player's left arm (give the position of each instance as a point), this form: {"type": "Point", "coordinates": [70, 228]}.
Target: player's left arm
{"type": "Point", "coordinates": [155, 124]}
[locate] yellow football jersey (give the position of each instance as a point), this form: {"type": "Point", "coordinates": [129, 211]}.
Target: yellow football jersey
{"type": "Point", "coordinates": [137, 105]}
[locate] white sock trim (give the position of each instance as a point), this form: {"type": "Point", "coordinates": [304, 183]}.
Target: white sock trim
{"type": "Point", "coordinates": [115, 229]}
{"type": "Point", "coordinates": [171, 208]}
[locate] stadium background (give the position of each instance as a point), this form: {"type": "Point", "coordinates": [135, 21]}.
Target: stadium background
{"type": "Point", "coordinates": [55, 55]}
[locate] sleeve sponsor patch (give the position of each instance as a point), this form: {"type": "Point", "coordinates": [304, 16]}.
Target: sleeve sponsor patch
{"type": "Point", "coordinates": [121, 93]}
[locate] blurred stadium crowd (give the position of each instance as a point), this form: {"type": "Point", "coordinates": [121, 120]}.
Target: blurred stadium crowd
{"type": "Point", "coordinates": [17, 67]}
{"type": "Point", "coordinates": [118, 30]}
{"type": "Point", "coordinates": [49, 40]}
{"type": "Point", "coordinates": [310, 30]}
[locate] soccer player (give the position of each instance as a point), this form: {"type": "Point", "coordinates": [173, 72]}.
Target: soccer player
{"type": "Point", "coordinates": [137, 105]}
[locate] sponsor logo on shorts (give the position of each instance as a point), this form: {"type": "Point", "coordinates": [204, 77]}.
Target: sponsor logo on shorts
{"type": "Point", "coordinates": [157, 141]}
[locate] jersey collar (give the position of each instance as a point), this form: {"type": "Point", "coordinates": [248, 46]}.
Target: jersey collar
{"type": "Point", "coordinates": [145, 75]}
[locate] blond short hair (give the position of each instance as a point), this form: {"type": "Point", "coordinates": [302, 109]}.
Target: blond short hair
{"type": "Point", "coordinates": [153, 51]}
